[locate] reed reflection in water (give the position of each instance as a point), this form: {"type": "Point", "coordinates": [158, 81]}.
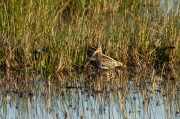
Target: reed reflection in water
{"type": "Point", "coordinates": [97, 94]}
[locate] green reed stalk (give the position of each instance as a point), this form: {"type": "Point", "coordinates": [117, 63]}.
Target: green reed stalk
{"type": "Point", "coordinates": [39, 33]}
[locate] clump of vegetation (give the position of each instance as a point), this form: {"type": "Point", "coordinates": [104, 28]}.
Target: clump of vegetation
{"type": "Point", "coordinates": [54, 35]}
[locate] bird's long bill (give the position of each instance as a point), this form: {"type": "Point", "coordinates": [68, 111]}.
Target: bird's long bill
{"type": "Point", "coordinates": [94, 53]}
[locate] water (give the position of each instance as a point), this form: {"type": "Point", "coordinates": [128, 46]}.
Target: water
{"type": "Point", "coordinates": [95, 95]}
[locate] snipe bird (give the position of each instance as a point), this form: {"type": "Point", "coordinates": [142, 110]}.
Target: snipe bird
{"type": "Point", "coordinates": [104, 61]}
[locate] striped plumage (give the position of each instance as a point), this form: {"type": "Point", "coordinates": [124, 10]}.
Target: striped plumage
{"type": "Point", "coordinates": [104, 61]}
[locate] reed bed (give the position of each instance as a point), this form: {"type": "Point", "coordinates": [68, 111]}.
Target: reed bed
{"type": "Point", "coordinates": [50, 35]}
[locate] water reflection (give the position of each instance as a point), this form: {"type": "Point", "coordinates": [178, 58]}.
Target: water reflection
{"type": "Point", "coordinates": [96, 94]}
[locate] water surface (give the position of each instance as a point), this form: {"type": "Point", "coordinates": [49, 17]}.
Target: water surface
{"type": "Point", "coordinates": [90, 95]}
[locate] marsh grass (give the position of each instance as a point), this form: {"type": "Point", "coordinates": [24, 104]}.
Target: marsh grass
{"type": "Point", "coordinates": [54, 35]}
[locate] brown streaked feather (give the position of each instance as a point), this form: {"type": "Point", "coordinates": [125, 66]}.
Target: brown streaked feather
{"type": "Point", "coordinates": [104, 61]}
